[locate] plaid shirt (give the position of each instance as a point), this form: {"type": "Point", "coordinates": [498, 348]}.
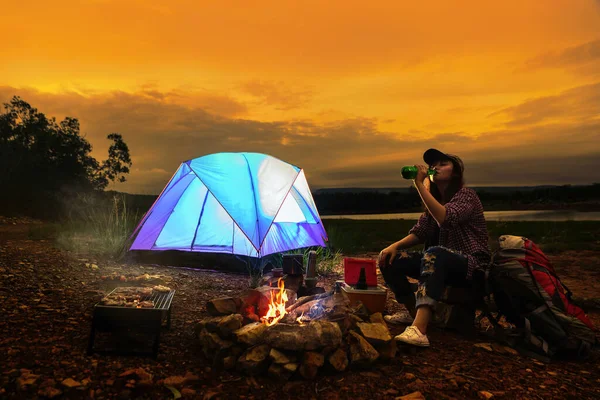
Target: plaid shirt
{"type": "Point", "coordinates": [464, 229]}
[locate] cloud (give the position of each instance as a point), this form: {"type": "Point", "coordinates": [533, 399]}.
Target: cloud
{"type": "Point", "coordinates": [552, 139]}
{"type": "Point", "coordinates": [579, 104]}
{"type": "Point", "coordinates": [277, 94]}
{"type": "Point", "coordinates": [583, 58]}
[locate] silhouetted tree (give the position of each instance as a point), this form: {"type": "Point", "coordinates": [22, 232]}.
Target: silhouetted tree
{"type": "Point", "coordinates": [42, 160]}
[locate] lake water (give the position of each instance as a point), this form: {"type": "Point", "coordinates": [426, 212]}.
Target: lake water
{"type": "Point", "coordinates": [543, 215]}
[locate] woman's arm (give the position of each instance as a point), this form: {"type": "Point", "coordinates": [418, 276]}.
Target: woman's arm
{"type": "Point", "coordinates": [408, 241]}
{"type": "Point", "coordinates": [437, 211]}
{"type": "Point", "coordinates": [387, 255]}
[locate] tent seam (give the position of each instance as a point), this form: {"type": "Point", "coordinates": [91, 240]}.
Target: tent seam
{"type": "Point", "coordinates": [199, 218]}
{"type": "Point", "coordinates": [255, 207]}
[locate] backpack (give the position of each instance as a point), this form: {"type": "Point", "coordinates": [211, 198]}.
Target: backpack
{"type": "Point", "coordinates": [527, 291]}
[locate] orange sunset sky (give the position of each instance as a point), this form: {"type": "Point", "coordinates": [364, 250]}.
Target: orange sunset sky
{"type": "Point", "coordinates": [348, 90]}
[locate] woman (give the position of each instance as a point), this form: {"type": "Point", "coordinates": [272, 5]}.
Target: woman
{"type": "Point", "coordinates": [455, 235]}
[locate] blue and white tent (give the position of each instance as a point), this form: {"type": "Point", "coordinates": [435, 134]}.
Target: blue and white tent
{"type": "Point", "coordinates": [247, 204]}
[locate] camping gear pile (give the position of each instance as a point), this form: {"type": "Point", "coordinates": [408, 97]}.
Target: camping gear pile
{"type": "Point", "coordinates": [528, 292]}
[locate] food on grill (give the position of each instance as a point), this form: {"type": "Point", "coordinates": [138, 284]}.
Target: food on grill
{"type": "Point", "coordinates": [161, 289]}
{"type": "Point", "coordinates": [113, 302]}
{"type": "Point", "coordinates": [129, 297]}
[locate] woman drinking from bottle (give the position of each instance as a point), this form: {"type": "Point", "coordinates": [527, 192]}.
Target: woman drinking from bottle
{"type": "Point", "coordinates": [455, 236]}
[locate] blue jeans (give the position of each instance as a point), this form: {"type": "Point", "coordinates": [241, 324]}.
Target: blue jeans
{"type": "Point", "coordinates": [435, 268]}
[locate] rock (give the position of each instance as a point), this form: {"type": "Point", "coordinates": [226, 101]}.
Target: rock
{"type": "Point", "coordinates": [70, 383]}
{"type": "Point", "coordinates": [187, 392]}
{"type": "Point", "coordinates": [213, 346]}
{"type": "Point", "coordinates": [24, 382]}
{"type": "Point", "coordinates": [280, 357]}
{"type": "Point", "coordinates": [355, 319]}
{"type": "Point", "coordinates": [139, 372]}
{"type": "Point", "coordinates": [49, 392]}
{"type": "Point", "coordinates": [255, 360]}
{"type": "Point", "coordinates": [498, 348]}
{"type": "Point", "coordinates": [412, 396]}
{"type": "Point", "coordinates": [175, 381]}
{"type": "Point", "coordinates": [190, 378]}
{"type": "Point", "coordinates": [211, 394]}
{"type": "Point", "coordinates": [387, 351]}
{"type": "Point", "coordinates": [278, 372]}
{"type": "Point", "coordinates": [374, 333]}
{"type": "Point", "coordinates": [360, 310]}
{"type": "Point", "coordinates": [251, 334]}
{"type": "Point", "coordinates": [369, 374]}
{"type": "Point", "coordinates": [485, 346]}
{"type": "Point", "coordinates": [310, 364]}
{"type": "Point", "coordinates": [290, 367]}
{"type": "Point", "coordinates": [361, 352]}
{"type": "Point", "coordinates": [338, 360]}
{"type": "Point", "coordinates": [224, 326]}
{"type": "Point", "coordinates": [315, 335]}
{"type": "Point", "coordinates": [224, 306]}
{"type": "Point", "coordinates": [229, 362]}
{"type": "Point", "coordinates": [377, 318]}
{"type": "Point", "coordinates": [485, 395]}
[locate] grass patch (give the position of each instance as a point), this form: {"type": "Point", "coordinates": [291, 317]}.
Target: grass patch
{"type": "Point", "coordinates": [98, 226]}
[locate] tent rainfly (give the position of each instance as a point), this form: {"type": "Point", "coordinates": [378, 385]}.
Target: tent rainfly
{"type": "Point", "coordinates": [247, 204]}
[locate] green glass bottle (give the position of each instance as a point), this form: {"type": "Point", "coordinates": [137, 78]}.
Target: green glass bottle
{"type": "Point", "coordinates": [410, 172]}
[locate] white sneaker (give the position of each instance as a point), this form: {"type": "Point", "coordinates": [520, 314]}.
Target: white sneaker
{"type": "Point", "coordinates": [401, 317]}
{"type": "Point", "coordinates": [412, 335]}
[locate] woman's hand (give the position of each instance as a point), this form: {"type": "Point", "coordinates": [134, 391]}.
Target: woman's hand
{"type": "Point", "coordinates": [386, 256]}
{"type": "Point", "coordinates": [421, 173]}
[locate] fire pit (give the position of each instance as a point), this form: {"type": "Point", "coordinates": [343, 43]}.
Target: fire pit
{"type": "Point", "coordinates": [126, 309]}
{"type": "Point", "coordinates": [269, 330]}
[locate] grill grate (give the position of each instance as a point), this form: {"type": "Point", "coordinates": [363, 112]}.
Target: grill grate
{"type": "Point", "coordinates": [161, 300]}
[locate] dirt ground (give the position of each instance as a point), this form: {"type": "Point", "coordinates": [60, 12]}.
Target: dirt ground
{"type": "Point", "coordinates": [46, 302]}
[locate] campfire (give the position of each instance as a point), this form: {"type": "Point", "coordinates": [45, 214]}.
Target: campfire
{"type": "Point", "coordinates": [273, 330]}
{"type": "Point", "coordinates": [277, 305]}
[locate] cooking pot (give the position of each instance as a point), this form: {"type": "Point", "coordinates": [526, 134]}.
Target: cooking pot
{"type": "Point", "coordinates": [292, 264]}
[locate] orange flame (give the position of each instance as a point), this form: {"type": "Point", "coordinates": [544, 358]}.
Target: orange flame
{"type": "Point", "coordinates": [276, 305]}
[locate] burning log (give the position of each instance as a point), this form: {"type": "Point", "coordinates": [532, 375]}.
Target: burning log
{"type": "Point", "coordinates": [306, 299]}
{"type": "Point", "coordinates": [265, 299]}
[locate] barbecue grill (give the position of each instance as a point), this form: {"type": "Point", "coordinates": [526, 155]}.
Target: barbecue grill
{"type": "Point", "coordinates": [120, 320]}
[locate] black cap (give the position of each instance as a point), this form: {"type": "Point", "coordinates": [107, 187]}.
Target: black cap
{"type": "Point", "coordinates": [433, 155]}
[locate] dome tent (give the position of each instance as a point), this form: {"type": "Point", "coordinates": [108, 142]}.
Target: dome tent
{"type": "Point", "coordinates": [247, 204]}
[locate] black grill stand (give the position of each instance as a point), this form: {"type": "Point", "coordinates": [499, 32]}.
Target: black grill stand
{"type": "Point", "coordinates": [118, 320]}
